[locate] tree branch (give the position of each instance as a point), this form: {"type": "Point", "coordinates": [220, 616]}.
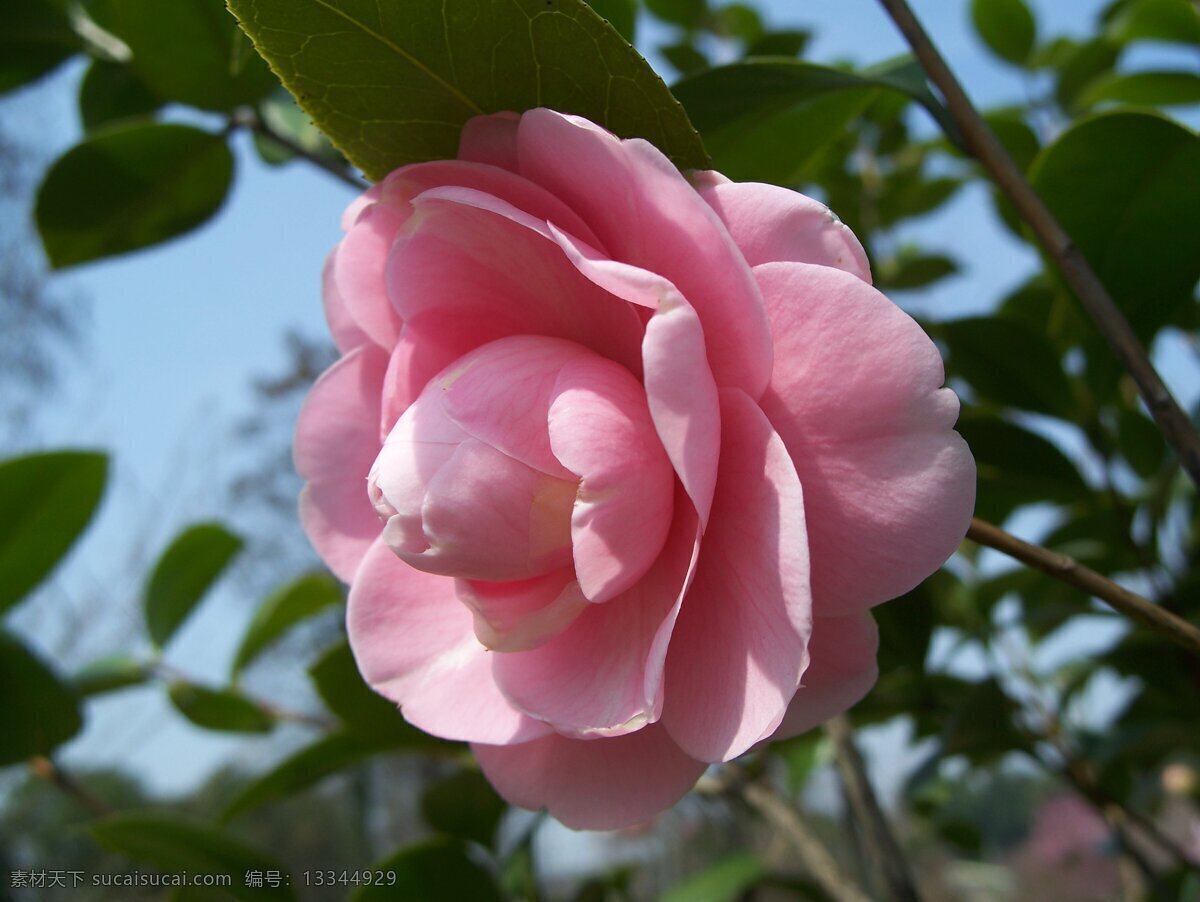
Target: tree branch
{"type": "Point", "coordinates": [1174, 424]}
{"type": "Point", "coordinates": [249, 119]}
{"type": "Point", "coordinates": [887, 860]}
{"type": "Point", "coordinates": [44, 767]}
{"type": "Point", "coordinates": [1070, 571]}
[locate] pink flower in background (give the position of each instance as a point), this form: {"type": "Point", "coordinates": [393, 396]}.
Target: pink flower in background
{"type": "Point", "coordinates": [616, 463]}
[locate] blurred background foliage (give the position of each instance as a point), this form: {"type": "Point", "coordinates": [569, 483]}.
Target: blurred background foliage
{"type": "Point", "coordinates": [1022, 759]}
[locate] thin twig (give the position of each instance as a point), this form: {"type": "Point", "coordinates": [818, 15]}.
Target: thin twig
{"type": "Point", "coordinates": [51, 772]}
{"type": "Point", "coordinates": [817, 860]}
{"type": "Point", "coordinates": [1070, 571]}
{"type": "Point", "coordinates": [249, 119]}
{"type": "Point", "coordinates": [892, 872]}
{"type": "Point", "coordinates": [1175, 425]}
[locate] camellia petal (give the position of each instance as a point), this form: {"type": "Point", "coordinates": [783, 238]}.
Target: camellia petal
{"type": "Point", "coordinates": [889, 487]}
{"type": "Point", "coordinates": [645, 213]}
{"type": "Point", "coordinates": [345, 331]}
{"type": "Point", "coordinates": [414, 643]}
{"type": "Point", "coordinates": [740, 645]}
{"type": "Point", "coordinates": [357, 271]}
{"type": "Point", "coordinates": [337, 439]}
{"type": "Point", "coordinates": [491, 139]}
{"type": "Point", "coordinates": [593, 784]}
{"type": "Point", "coordinates": [771, 224]}
{"type": "Point", "coordinates": [842, 669]}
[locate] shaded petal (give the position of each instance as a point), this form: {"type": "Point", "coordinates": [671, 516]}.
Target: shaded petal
{"type": "Point", "coordinates": [740, 645]}
{"type": "Point", "coordinates": [468, 254]}
{"type": "Point", "coordinates": [336, 442]}
{"type": "Point", "coordinates": [842, 670]}
{"type": "Point", "coordinates": [600, 429]}
{"type": "Point", "coordinates": [522, 614]}
{"type": "Point", "coordinates": [604, 673]}
{"type": "Point", "coordinates": [645, 213]}
{"type": "Point", "coordinates": [771, 224]}
{"type": "Point", "coordinates": [600, 784]}
{"type": "Point", "coordinates": [680, 390]}
{"type": "Point", "coordinates": [889, 487]}
{"type": "Point", "coordinates": [414, 643]}
{"type": "Point", "coordinates": [346, 333]}
{"type": "Point", "coordinates": [357, 271]}
{"type": "Point", "coordinates": [490, 139]}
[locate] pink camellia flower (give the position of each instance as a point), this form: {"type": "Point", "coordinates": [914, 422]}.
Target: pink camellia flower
{"type": "Point", "coordinates": [615, 463]}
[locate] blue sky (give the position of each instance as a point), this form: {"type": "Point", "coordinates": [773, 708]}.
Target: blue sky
{"type": "Point", "coordinates": [173, 336]}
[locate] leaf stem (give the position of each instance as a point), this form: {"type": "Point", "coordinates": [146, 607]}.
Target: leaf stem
{"type": "Point", "coordinates": [47, 769]}
{"type": "Point", "coordinates": [1070, 571]}
{"type": "Point", "coordinates": [1174, 424]}
{"type": "Point", "coordinates": [249, 119]}
{"type": "Point", "coordinates": [892, 872]}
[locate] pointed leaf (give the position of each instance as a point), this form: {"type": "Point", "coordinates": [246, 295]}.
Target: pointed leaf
{"type": "Point", "coordinates": [284, 608]}
{"type": "Point", "coordinates": [36, 37]}
{"type": "Point", "coordinates": [183, 574]}
{"type": "Point", "coordinates": [464, 805]}
{"type": "Point", "coordinates": [48, 500]}
{"type": "Point", "coordinates": [219, 709]}
{"type": "Point", "coordinates": [110, 674]}
{"type": "Point", "coordinates": [392, 81]}
{"type": "Point", "coordinates": [728, 880]}
{"type": "Point", "coordinates": [144, 183]}
{"type": "Point", "coordinates": [1006, 26]}
{"type": "Point", "coordinates": [40, 712]}
{"type": "Point", "coordinates": [111, 92]}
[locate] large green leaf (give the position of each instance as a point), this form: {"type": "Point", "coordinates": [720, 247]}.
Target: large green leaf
{"type": "Point", "coordinates": [40, 712]}
{"type": "Point", "coordinates": [1008, 363]}
{"type": "Point", "coordinates": [752, 114]}
{"type": "Point", "coordinates": [435, 871]}
{"type": "Point", "coordinates": [1006, 26]}
{"type": "Point", "coordinates": [392, 81]}
{"type": "Point", "coordinates": [130, 187]}
{"type": "Point", "coordinates": [1124, 187]}
{"type": "Point", "coordinates": [464, 805]}
{"type": "Point", "coordinates": [219, 709]}
{"type": "Point", "coordinates": [36, 37]}
{"type": "Point", "coordinates": [187, 51]}
{"type": "Point", "coordinates": [183, 574]}
{"type": "Point", "coordinates": [1157, 20]}
{"type": "Point", "coordinates": [48, 500]}
{"type": "Point", "coordinates": [1017, 467]}
{"type": "Point", "coordinates": [111, 92]}
{"type": "Point", "coordinates": [297, 601]}
{"type": "Point", "coordinates": [174, 844]}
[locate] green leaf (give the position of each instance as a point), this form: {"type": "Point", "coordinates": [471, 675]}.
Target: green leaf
{"type": "Point", "coordinates": [143, 184]}
{"type": "Point", "coordinates": [779, 43]}
{"type": "Point", "coordinates": [1141, 443]}
{"type": "Point", "coordinates": [36, 37]}
{"type": "Point", "coordinates": [1123, 186]}
{"type": "Point", "coordinates": [392, 81]}
{"type": "Point", "coordinates": [363, 711]}
{"type": "Point", "coordinates": [688, 13]}
{"type": "Point", "coordinates": [1017, 467]}
{"type": "Point", "coordinates": [1006, 26]}
{"type": "Point", "coordinates": [303, 769]}
{"type": "Point", "coordinates": [684, 57]}
{"type": "Point", "coordinates": [219, 709]}
{"type": "Point", "coordinates": [1144, 89]}
{"type": "Point", "coordinates": [620, 14]}
{"type": "Point", "coordinates": [768, 119]}
{"type": "Point", "coordinates": [48, 500]}
{"type": "Point", "coordinates": [183, 574]}
{"type": "Point", "coordinates": [1014, 134]}
{"type": "Point", "coordinates": [908, 271]}
{"type": "Point", "coordinates": [1008, 363]}
{"type": "Point", "coordinates": [111, 92]}
{"type": "Point", "coordinates": [40, 712]}
{"type": "Point", "coordinates": [1157, 20]}
{"type": "Point", "coordinates": [174, 845]}
{"type": "Point", "coordinates": [284, 608]}
{"type": "Point", "coordinates": [110, 674]}
{"type": "Point", "coordinates": [1081, 65]}
{"type": "Point", "coordinates": [187, 51]}
{"type": "Point", "coordinates": [435, 871]}
{"type": "Point", "coordinates": [464, 805]}
{"type": "Point", "coordinates": [726, 881]}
